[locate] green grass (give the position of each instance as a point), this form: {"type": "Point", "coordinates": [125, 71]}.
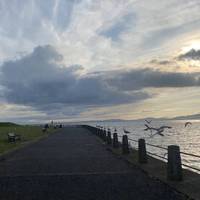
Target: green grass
{"type": "Point", "coordinates": [7, 124]}
{"type": "Point", "coordinates": [28, 133]}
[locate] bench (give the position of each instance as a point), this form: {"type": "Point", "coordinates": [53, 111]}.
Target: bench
{"type": "Point", "coordinates": [44, 130]}
{"type": "Point", "coordinates": [12, 137]}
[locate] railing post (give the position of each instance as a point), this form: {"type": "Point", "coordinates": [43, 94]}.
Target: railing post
{"type": "Point", "coordinates": [125, 146]}
{"type": "Point", "coordinates": [142, 154]}
{"type": "Point", "coordinates": [101, 133]}
{"type": "Point", "coordinates": [97, 131]}
{"type": "Point", "coordinates": [115, 140]}
{"type": "Point", "coordinates": [109, 139]}
{"type": "Point", "coordinates": [104, 135]}
{"type": "Point", "coordinates": [174, 166]}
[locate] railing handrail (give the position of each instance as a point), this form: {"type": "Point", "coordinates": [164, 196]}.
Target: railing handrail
{"type": "Point", "coordinates": [165, 148]}
{"type": "Point", "coordinates": [133, 140]}
{"type": "Point", "coordinates": [157, 146]}
{"type": "Point", "coordinates": [190, 154]}
{"type": "Point", "coordinates": [154, 154]}
{"type": "Point", "coordinates": [191, 167]}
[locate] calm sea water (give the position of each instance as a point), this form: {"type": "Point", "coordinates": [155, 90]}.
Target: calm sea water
{"type": "Point", "coordinates": [188, 138]}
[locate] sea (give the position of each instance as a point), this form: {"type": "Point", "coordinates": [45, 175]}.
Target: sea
{"type": "Point", "coordinates": [188, 138]}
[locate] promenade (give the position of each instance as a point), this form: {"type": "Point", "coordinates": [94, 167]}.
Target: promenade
{"type": "Point", "coordinates": [74, 164]}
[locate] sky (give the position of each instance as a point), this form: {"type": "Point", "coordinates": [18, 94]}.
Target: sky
{"type": "Point", "coordinates": [75, 60]}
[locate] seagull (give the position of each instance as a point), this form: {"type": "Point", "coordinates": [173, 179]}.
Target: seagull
{"type": "Point", "coordinates": [150, 128]}
{"type": "Point", "coordinates": [187, 123]}
{"type": "Point", "coordinates": [148, 121]}
{"type": "Point", "coordinates": [159, 131]}
{"type": "Point", "coordinates": [163, 127]}
{"type": "Point", "coordinates": [125, 131]}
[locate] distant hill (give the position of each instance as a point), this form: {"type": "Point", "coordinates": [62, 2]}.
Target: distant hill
{"type": "Point", "coordinates": [117, 120]}
{"type": "Point", "coordinates": [187, 117]}
{"type": "Point", "coordinates": [196, 116]}
{"type": "Point", "coordinates": [6, 124]}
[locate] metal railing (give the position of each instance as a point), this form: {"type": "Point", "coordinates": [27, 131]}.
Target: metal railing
{"type": "Point", "coordinates": [163, 157]}
{"type": "Point", "coordinates": [101, 130]}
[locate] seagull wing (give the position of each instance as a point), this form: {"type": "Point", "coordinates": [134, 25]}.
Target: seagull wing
{"type": "Point", "coordinates": [147, 121]}
{"type": "Point", "coordinates": [188, 123]}
{"type": "Point", "coordinates": [163, 127]}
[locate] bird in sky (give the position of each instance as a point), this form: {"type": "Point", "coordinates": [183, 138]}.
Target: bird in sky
{"type": "Point", "coordinates": [149, 128]}
{"type": "Point", "coordinates": [158, 131]}
{"type": "Point", "coordinates": [148, 121]}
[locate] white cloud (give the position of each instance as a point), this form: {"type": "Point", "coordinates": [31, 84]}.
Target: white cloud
{"type": "Point", "coordinates": [74, 26]}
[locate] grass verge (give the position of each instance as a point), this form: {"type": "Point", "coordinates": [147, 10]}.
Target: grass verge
{"type": "Point", "coordinates": [28, 133]}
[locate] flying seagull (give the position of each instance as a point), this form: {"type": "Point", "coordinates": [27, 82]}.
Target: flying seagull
{"type": "Point", "coordinates": [148, 121]}
{"type": "Point", "coordinates": [125, 131]}
{"type": "Point", "coordinates": [159, 131]}
{"type": "Point", "coordinates": [165, 127]}
{"type": "Point", "coordinates": [187, 123]}
{"type": "Point", "coordinates": [150, 128]}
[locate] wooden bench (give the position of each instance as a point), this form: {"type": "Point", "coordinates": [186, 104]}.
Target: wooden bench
{"type": "Point", "coordinates": [44, 130]}
{"type": "Point", "coordinates": [12, 137]}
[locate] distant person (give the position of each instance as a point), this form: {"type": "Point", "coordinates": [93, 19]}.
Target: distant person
{"type": "Point", "coordinates": [46, 126]}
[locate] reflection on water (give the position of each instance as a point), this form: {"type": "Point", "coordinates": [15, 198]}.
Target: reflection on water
{"type": "Point", "coordinates": [188, 138]}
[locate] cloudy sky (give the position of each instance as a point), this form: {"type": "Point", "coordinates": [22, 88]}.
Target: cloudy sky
{"type": "Point", "coordinates": [98, 59]}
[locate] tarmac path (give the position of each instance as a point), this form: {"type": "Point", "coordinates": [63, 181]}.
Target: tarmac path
{"type": "Point", "coordinates": [73, 164]}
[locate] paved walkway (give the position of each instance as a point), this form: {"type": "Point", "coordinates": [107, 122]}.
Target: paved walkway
{"type": "Point", "coordinates": [73, 164]}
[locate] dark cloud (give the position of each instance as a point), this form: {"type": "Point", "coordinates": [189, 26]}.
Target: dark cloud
{"type": "Point", "coordinates": [144, 78]}
{"type": "Point", "coordinates": [39, 80]}
{"type": "Point", "coordinates": [190, 55]}
{"type": "Point", "coordinates": [161, 62]}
